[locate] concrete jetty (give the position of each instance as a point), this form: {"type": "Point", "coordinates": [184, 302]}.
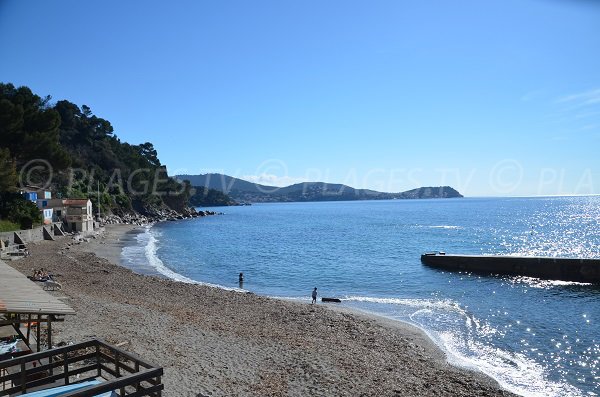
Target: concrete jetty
{"type": "Point", "coordinates": [566, 269]}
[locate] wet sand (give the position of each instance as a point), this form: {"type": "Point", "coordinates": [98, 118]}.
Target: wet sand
{"type": "Point", "coordinates": [213, 342]}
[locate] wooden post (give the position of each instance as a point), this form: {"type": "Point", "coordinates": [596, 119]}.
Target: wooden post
{"type": "Point", "coordinates": [39, 331]}
{"type": "Point", "coordinates": [117, 366]}
{"type": "Point", "coordinates": [118, 370]}
{"type": "Point", "coordinates": [28, 328]}
{"type": "Point", "coordinates": [49, 331]}
{"type": "Point", "coordinates": [98, 360]}
{"type": "Point", "coordinates": [159, 393]}
{"type": "Point", "coordinates": [23, 378]}
{"type": "Point", "coordinates": [137, 369]}
{"type": "Point", "coordinates": [17, 327]}
{"type": "Point", "coordinates": [49, 317]}
{"type": "Point", "coordinates": [66, 367]}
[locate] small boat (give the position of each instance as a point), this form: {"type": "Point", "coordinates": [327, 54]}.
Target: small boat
{"type": "Point", "coordinates": [335, 300]}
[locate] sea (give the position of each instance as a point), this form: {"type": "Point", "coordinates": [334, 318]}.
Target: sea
{"type": "Point", "coordinates": [535, 337]}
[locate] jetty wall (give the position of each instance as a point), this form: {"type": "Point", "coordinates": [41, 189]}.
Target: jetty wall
{"type": "Point", "coordinates": [567, 269]}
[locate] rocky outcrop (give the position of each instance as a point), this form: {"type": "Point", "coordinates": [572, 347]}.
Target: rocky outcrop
{"type": "Point", "coordinates": [154, 214]}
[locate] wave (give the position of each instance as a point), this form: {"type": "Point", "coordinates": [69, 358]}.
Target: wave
{"type": "Point", "coordinates": [146, 249]}
{"type": "Point", "coordinates": [462, 337]}
{"type": "Point", "coordinates": [454, 227]}
{"type": "Point", "coordinates": [546, 284]}
{"type": "Point", "coordinates": [291, 298]}
{"type": "Point", "coordinates": [444, 304]}
{"type": "Point", "coordinates": [150, 251]}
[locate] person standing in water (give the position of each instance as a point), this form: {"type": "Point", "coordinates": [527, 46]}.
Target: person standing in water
{"type": "Point", "coordinates": [314, 295]}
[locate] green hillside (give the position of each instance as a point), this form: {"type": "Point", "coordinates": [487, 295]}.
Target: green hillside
{"type": "Point", "coordinates": [68, 149]}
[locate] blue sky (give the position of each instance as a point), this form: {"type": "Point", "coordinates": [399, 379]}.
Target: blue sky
{"type": "Point", "coordinates": [491, 97]}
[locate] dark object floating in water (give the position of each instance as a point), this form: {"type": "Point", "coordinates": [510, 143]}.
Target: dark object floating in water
{"type": "Point", "coordinates": [566, 269]}
{"type": "Point", "coordinates": [336, 300]}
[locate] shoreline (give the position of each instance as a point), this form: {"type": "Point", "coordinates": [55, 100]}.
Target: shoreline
{"type": "Point", "coordinates": [109, 243]}
{"type": "Point", "coordinates": [116, 235]}
{"type": "Point", "coordinates": [253, 345]}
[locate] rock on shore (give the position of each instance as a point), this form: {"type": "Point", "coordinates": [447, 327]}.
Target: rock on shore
{"type": "Point", "coordinates": [135, 218]}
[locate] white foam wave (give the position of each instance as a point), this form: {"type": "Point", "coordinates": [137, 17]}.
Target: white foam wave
{"type": "Point", "coordinates": [443, 304]}
{"type": "Point", "coordinates": [513, 371]}
{"type": "Point", "coordinates": [462, 337]}
{"type": "Point", "coordinates": [155, 262]}
{"type": "Point", "coordinates": [148, 241]}
{"type": "Point", "coordinates": [291, 298]}
{"type": "Point", "coordinates": [545, 284]}
{"type": "Point", "coordinates": [449, 227]}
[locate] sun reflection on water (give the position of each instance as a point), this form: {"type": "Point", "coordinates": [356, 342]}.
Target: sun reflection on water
{"type": "Point", "coordinates": [555, 230]}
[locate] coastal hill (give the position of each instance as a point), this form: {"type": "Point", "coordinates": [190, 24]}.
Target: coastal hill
{"type": "Point", "coordinates": [245, 191]}
{"type": "Point", "coordinates": [80, 157]}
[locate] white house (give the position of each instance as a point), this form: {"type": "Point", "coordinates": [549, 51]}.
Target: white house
{"type": "Point", "coordinates": [56, 205]}
{"type": "Point", "coordinates": [79, 217]}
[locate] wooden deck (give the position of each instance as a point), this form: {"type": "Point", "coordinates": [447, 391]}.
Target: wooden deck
{"type": "Point", "coordinates": [24, 302]}
{"type": "Point", "coordinates": [19, 295]}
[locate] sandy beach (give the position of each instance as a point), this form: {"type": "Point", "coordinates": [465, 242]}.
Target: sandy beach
{"type": "Point", "coordinates": [213, 342]}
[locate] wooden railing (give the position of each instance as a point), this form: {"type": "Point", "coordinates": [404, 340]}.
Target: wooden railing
{"type": "Point", "coordinates": [120, 371]}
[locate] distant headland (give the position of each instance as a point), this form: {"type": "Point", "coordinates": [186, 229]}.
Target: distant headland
{"type": "Point", "coordinates": [222, 189]}
{"type": "Point", "coordinates": [63, 151]}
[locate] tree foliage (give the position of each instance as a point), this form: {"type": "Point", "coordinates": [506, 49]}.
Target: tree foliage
{"type": "Point", "coordinates": [8, 171]}
{"type": "Point", "coordinates": [29, 128]}
{"type": "Point", "coordinates": [205, 197]}
{"type": "Point", "coordinates": [65, 134]}
{"type": "Point", "coordinates": [16, 209]}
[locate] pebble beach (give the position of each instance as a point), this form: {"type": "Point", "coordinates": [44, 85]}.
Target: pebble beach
{"type": "Point", "coordinates": [216, 342]}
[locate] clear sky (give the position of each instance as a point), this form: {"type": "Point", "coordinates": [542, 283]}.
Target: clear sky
{"type": "Point", "coordinates": [497, 97]}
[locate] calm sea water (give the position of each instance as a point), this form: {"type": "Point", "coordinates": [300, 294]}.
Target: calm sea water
{"type": "Point", "coordinates": [536, 338]}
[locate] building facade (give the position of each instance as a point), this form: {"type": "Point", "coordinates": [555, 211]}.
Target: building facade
{"type": "Point", "coordinates": [57, 205]}
{"type": "Point", "coordinates": [79, 216]}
